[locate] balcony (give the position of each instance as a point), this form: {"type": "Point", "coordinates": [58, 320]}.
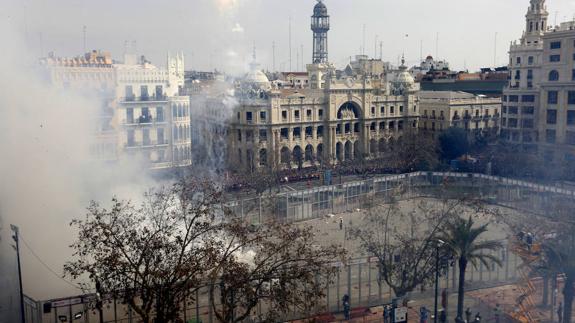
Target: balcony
{"type": "Point", "coordinates": [147, 119]}
{"type": "Point", "coordinates": [144, 98]}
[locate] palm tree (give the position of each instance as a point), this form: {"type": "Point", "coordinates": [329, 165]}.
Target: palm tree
{"type": "Point", "coordinates": [461, 239]}
{"type": "Point", "coordinates": [559, 256]}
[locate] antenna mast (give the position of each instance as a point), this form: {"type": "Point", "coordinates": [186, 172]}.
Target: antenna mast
{"type": "Point", "coordinates": [290, 67]}
{"type": "Point", "coordinates": [85, 35]}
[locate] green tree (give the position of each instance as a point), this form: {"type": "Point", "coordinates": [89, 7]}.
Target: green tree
{"type": "Point", "coordinates": [462, 240]}
{"type": "Point", "coordinates": [453, 143]}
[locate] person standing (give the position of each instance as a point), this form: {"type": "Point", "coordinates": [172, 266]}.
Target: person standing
{"type": "Point", "coordinates": [386, 314]}
{"type": "Point", "coordinates": [340, 223]}
{"type": "Point", "coordinates": [468, 315]}
{"type": "Point", "coordinates": [560, 312]}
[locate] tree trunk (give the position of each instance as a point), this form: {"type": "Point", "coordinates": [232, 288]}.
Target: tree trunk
{"type": "Point", "coordinates": [461, 289]}
{"type": "Point", "coordinates": [568, 298]}
{"type": "Point", "coordinates": [545, 300]}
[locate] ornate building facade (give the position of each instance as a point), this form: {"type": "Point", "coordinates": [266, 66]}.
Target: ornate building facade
{"type": "Point", "coordinates": [142, 113]}
{"type": "Point", "coordinates": [539, 102]}
{"type": "Point", "coordinates": [338, 117]}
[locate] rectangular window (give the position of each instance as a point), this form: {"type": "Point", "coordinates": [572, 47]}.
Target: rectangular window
{"type": "Point", "coordinates": [512, 123]}
{"type": "Point", "coordinates": [320, 131]}
{"type": "Point", "coordinates": [284, 115]}
{"type": "Point", "coordinates": [571, 97]}
{"type": "Point", "coordinates": [401, 109]}
{"type": "Point", "coordinates": [529, 74]}
{"type": "Point", "coordinates": [570, 118]}
{"type": "Point", "coordinates": [382, 110]}
{"type": "Point", "coordinates": [551, 116]}
{"type": "Point", "coordinates": [550, 136]}
{"type": "Point", "coordinates": [555, 58]}
{"type": "Point", "coordinates": [129, 115]}
{"type": "Point", "coordinates": [284, 132]}
{"type": "Point", "coordinates": [129, 93]}
{"type": "Point", "coordinates": [160, 114]}
{"type": "Point", "coordinates": [513, 98]}
{"type": "Point", "coordinates": [144, 95]}
{"type": "Point", "coordinates": [505, 98]}
{"type": "Point", "coordinates": [392, 110]}
{"type": "Point", "coordinates": [504, 109]}
{"type": "Point", "coordinates": [513, 110]}
{"type": "Point", "coordinates": [320, 113]}
{"type": "Point", "coordinates": [552, 97]}
{"type": "Point", "coordinates": [131, 138]}
{"type": "Point", "coordinates": [518, 60]}
{"type": "Point", "coordinates": [160, 136]}
{"type": "Point", "coordinates": [145, 117]}
{"type": "Point", "coordinates": [372, 111]}
{"type": "Point", "coordinates": [308, 114]}
{"type": "Point", "coordinates": [528, 98]}
{"type": "Point", "coordinates": [159, 92]}
{"type": "Point", "coordinates": [570, 137]}
{"type": "Point", "coordinates": [527, 123]}
{"type": "Point", "coordinates": [527, 110]}
{"type": "Point", "coordinates": [296, 114]}
{"type": "Point", "coordinates": [263, 135]}
{"type": "Point", "coordinates": [263, 116]}
{"type": "Point", "coordinates": [146, 137]}
{"type": "Point", "coordinates": [530, 60]}
{"type": "Point", "coordinates": [249, 117]}
{"type": "Point", "coordinates": [574, 57]}
{"type": "Point", "coordinates": [555, 45]}
{"type": "Point", "coordinates": [572, 75]}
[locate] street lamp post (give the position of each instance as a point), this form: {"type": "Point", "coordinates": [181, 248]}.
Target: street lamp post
{"type": "Point", "coordinates": [438, 246]}
{"type": "Point", "coordinates": [16, 239]}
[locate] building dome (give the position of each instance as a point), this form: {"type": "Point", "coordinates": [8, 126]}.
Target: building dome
{"type": "Point", "coordinates": [320, 9]}
{"type": "Point", "coordinates": [256, 76]}
{"type": "Point", "coordinates": [404, 77]}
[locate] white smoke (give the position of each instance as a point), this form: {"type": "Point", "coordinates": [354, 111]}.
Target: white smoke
{"type": "Point", "coordinates": [47, 172]}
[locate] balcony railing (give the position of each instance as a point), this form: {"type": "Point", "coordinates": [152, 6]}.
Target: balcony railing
{"type": "Point", "coordinates": [145, 98]}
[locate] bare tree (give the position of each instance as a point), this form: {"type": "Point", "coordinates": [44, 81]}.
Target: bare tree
{"type": "Point", "coordinates": [279, 267]}
{"type": "Point", "coordinates": [404, 240]}
{"type": "Point", "coordinates": [151, 256]}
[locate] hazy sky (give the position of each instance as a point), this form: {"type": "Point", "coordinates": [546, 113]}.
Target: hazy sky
{"type": "Point", "coordinates": [221, 33]}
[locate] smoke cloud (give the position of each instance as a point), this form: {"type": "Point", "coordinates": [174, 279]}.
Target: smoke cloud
{"type": "Point", "coordinates": [48, 174]}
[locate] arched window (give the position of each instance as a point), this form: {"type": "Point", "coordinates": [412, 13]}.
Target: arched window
{"type": "Point", "coordinates": [553, 76]}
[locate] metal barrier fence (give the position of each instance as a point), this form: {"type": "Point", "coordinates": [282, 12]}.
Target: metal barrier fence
{"type": "Point", "coordinates": [359, 277]}
{"type": "Point", "coordinates": [317, 202]}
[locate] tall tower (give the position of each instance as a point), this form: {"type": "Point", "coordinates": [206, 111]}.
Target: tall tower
{"type": "Point", "coordinates": [536, 20]}
{"type": "Point", "coordinates": [320, 27]}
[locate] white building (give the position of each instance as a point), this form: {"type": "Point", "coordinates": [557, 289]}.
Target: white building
{"type": "Point", "coordinates": [427, 65]}
{"type": "Point", "coordinates": [143, 114]}
{"type": "Point", "coordinates": [539, 103]}
{"type": "Point", "coordinates": [440, 110]}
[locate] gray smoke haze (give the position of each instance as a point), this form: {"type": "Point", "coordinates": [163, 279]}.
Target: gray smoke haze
{"type": "Point", "coordinates": [47, 174]}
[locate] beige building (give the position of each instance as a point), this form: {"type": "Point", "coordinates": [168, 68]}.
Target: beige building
{"type": "Point", "coordinates": [539, 102]}
{"type": "Point", "coordinates": [338, 117]}
{"type": "Point", "coordinates": [143, 114]}
{"type": "Point", "coordinates": [440, 110]}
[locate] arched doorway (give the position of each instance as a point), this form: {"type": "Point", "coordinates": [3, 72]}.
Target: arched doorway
{"type": "Point", "coordinates": [285, 155]}
{"type": "Point", "coordinates": [297, 156]}
{"type": "Point", "coordinates": [309, 153]}
{"type": "Point", "coordinates": [348, 151]}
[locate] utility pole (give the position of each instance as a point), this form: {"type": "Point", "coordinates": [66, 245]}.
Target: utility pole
{"type": "Point", "coordinates": [85, 33]}
{"type": "Point", "coordinates": [363, 46]}
{"type": "Point", "coordinates": [437, 46]}
{"type": "Point", "coordinates": [290, 66]}
{"type": "Point", "coordinates": [274, 56]}
{"type": "Point", "coordinates": [301, 55]}
{"type": "Point", "coordinates": [495, 51]}
{"type": "Point", "coordinates": [16, 238]}
{"type": "Point", "coordinates": [381, 50]}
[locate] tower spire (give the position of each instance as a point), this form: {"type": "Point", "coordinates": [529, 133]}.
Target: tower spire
{"type": "Point", "coordinates": [320, 27]}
